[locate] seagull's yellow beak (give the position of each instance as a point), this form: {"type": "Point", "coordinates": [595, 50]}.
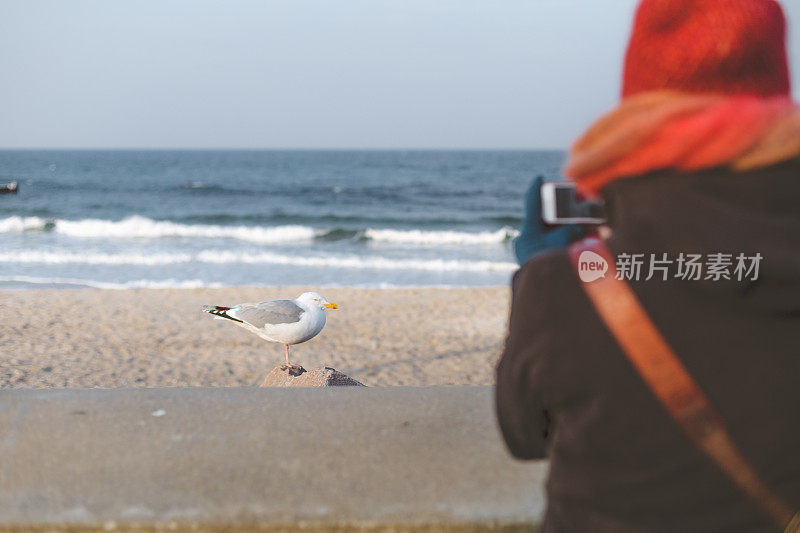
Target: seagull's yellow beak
{"type": "Point", "coordinates": [331, 305]}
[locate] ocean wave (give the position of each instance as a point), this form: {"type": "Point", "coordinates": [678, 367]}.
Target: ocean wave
{"type": "Point", "coordinates": [423, 220]}
{"type": "Point", "coordinates": [440, 237]}
{"type": "Point", "coordinates": [92, 258]}
{"type": "Point", "coordinates": [142, 227]}
{"type": "Point", "coordinates": [17, 224]}
{"type": "Point", "coordinates": [56, 282]}
{"type": "Point", "coordinates": [94, 284]}
{"type": "Point", "coordinates": [356, 262]}
{"type": "Point", "coordinates": [267, 258]}
{"type": "Point", "coordinates": [139, 227]}
{"type": "Point", "coordinates": [201, 187]}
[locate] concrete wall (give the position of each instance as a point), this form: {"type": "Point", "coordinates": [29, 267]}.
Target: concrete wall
{"type": "Point", "coordinates": [352, 457]}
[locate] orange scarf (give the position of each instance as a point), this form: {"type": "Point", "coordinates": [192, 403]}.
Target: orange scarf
{"type": "Point", "coordinates": [686, 132]}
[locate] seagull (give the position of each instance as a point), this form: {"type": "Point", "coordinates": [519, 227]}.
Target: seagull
{"type": "Point", "coordinates": [284, 321]}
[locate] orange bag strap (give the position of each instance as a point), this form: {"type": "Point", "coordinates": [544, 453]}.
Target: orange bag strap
{"type": "Point", "coordinates": [672, 384]}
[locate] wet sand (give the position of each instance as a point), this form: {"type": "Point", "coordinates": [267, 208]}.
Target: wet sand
{"type": "Point", "coordinates": [159, 338]}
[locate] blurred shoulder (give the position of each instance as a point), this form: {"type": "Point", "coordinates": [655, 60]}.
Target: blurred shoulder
{"type": "Point", "coordinates": [546, 293]}
{"type": "Point", "coordinates": [553, 327]}
{"type": "Point", "coordinates": [549, 274]}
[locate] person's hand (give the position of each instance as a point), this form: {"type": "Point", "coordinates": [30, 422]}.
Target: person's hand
{"type": "Point", "coordinates": [535, 236]}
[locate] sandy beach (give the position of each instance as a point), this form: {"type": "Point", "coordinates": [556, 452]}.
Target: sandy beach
{"type": "Point", "coordinates": [159, 338]}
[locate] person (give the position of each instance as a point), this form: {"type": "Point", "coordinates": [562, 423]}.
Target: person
{"type": "Point", "coordinates": [701, 159]}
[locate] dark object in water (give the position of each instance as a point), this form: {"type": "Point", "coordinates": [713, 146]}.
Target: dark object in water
{"type": "Point", "coordinates": [9, 188]}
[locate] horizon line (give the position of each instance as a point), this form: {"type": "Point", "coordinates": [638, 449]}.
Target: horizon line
{"type": "Point", "coordinates": [277, 149]}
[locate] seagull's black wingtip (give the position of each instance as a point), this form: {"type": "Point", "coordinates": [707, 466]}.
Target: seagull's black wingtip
{"type": "Point", "coordinates": [220, 311]}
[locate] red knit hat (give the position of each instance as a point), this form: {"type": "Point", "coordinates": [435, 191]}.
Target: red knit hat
{"type": "Point", "coordinates": [708, 46]}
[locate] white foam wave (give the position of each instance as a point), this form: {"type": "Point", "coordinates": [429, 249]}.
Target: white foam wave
{"type": "Point", "coordinates": [356, 262]}
{"type": "Point", "coordinates": [440, 237]}
{"type": "Point", "coordinates": [135, 284]}
{"type": "Point", "coordinates": [89, 258]}
{"type": "Point", "coordinates": [142, 227]}
{"type": "Point", "coordinates": [17, 224]}
{"type": "Point", "coordinates": [269, 258]}
{"type": "Point", "coordinates": [191, 284]}
{"type": "Point", "coordinates": [139, 227]}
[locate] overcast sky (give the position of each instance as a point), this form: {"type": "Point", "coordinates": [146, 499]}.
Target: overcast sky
{"type": "Point", "coordinates": [311, 73]}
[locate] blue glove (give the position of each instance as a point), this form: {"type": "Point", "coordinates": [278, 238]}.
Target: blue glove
{"type": "Point", "coordinates": [535, 236]}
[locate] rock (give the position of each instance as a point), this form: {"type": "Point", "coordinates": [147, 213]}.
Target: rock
{"type": "Point", "coordinates": [281, 376]}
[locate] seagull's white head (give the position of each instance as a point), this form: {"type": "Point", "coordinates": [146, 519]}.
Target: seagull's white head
{"type": "Point", "coordinates": [313, 299]}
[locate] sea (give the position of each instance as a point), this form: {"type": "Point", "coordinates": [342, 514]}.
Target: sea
{"type": "Point", "coordinates": [162, 219]}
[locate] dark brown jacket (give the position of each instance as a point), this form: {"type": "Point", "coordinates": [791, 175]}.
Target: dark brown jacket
{"type": "Point", "coordinates": [565, 390]}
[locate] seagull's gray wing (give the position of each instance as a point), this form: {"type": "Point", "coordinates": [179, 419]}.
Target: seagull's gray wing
{"type": "Point", "coordinates": [268, 313]}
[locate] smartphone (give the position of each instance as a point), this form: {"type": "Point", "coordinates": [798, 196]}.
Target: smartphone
{"type": "Point", "coordinates": [561, 204]}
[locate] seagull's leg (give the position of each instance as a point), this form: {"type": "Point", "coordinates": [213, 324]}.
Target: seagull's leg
{"type": "Point", "coordinates": [298, 369]}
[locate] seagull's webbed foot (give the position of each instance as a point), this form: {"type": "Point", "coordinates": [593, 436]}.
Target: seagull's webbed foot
{"type": "Point", "coordinates": [294, 370]}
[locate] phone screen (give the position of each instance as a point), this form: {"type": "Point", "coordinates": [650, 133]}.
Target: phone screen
{"type": "Point", "coordinates": [566, 203]}
{"type": "Point", "coordinates": [570, 205]}
{"type": "Point", "coordinates": [561, 204]}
